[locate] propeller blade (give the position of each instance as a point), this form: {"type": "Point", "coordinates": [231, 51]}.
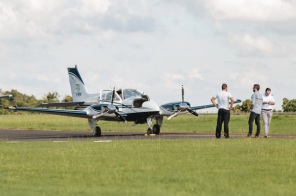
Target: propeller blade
{"type": "Point", "coordinates": [113, 94]}
{"type": "Point", "coordinates": [99, 115]}
{"type": "Point", "coordinates": [120, 117]}
{"type": "Point", "coordinates": [182, 94]}
{"type": "Point", "coordinates": [192, 112]}
{"type": "Point", "coordinates": [173, 115]}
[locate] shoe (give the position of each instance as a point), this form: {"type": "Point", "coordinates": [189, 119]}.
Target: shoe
{"type": "Point", "coordinates": [226, 135]}
{"type": "Point", "coordinates": [266, 136]}
{"type": "Point", "coordinates": [218, 136]}
{"type": "Point", "coordinates": [249, 136]}
{"type": "Point", "coordinates": [256, 136]}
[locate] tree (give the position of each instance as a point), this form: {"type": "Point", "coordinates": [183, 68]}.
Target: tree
{"type": "Point", "coordinates": [285, 103]}
{"type": "Point", "coordinates": [237, 108]}
{"type": "Point", "coordinates": [19, 99]}
{"type": "Point", "coordinates": [289, 105]}
{"type": "Point", "coordinates": [246, 105]}
{"type": "Point", "coordinates": [51, 97]}
{"type": "Point", "coordinates": [67, 98]}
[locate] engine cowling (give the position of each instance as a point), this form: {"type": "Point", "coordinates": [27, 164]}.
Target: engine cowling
{"type": "Point", "coordinates": [111, 109]}
{"type": "Point", "coordinates": [183, 106]}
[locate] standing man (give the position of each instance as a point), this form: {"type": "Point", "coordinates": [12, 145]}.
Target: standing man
{"type": "Point", "coordinates": [256, 105]}
{"type": "Point", "coordinates": [268, 102]}
{"type": "Point", "coordinates": [223, 105]}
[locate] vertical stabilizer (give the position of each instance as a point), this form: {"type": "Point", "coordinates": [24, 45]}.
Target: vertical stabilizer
{"type": "Point", "coordinates": [77, 85]}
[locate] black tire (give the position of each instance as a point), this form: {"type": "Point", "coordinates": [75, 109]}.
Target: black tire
{"type": "Point", "coordinates": [149, 131]}
{"type": "Point", "coordinates": [156, 129]}
{"type": "Point", "coordinates": [98, 132]}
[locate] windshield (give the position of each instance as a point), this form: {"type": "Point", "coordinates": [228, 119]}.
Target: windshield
{"type": "Point", "coordinates": [128, 93]}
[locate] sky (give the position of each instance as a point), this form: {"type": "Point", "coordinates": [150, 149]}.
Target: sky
{"type": "Point", "coordinates": [154, 46]}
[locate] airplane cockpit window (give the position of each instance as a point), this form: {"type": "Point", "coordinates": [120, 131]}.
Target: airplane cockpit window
{"type": "Point", "coordinates": [128, 93]}
{"type": "Point", "coordinates": [107, 96]}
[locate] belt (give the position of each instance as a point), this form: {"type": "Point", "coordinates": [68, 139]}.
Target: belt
{"type": "Point", "coordinates": [266, 109]}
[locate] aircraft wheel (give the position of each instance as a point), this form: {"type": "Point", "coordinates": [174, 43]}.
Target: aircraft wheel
{"type": "Point", "coordinates": [98, 132]}
{"type": "Point", "coordinates": [149, 131]}
{"type": "Point", "coordinates": [156, 129]}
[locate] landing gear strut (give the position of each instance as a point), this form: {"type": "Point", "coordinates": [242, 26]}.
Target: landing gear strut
{"type": "Point", "coordinates": [96, 129]}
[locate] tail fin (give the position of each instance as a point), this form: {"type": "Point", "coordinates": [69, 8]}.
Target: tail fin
{"type": "Point", "coordinates": [77, 85]}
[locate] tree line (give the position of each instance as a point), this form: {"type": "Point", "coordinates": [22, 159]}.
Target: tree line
{"type": "Point", "coordinates": [23, 100]}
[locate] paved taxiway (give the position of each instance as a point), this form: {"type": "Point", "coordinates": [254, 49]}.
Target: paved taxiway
{"type": "Point", "coordinates": [42, 135]}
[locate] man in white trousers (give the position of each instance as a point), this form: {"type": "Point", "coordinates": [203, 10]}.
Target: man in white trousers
{"type": "Point", "coordinates": [267, 106]}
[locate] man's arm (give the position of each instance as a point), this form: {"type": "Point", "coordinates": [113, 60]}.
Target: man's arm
{"type": "Point", "coordinates": [231, 102]}
{"type": "Point", "coordinates": [213, 100]}
{"type": "Point", "coordinates": [253, 99]}
{"type": "Point", "coordinates": [271, 102]}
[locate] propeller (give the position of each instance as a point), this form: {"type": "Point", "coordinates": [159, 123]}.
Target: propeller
{"type": "Point", "coordinates": [182, 89]}
{"type": "Point", "coordinates": [182, 107]}
{"type": "Point", "coordinates": [111, 109]}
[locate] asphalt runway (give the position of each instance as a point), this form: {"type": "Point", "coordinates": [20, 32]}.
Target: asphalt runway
{"type": "Point", "coordinates": [59, 136]}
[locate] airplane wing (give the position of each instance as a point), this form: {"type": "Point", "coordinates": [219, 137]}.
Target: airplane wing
{"type": "Point", "coordinates": [73, 113]}
{"type": "Point", "coordinates": [209, 106]}
{"type": "Point", "coordinates": [61, 104]}
{"type": "Point", "coordinates": [176, 108]}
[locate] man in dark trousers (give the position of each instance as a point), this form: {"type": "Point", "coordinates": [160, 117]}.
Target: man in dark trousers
{"type": "Point", "coordinates": [223, 105]}
{"type": "Point", "coordinates": [256, 106]}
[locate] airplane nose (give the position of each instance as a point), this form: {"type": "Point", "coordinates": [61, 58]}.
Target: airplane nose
{"type": "Point", "coordinates": [151, 105]}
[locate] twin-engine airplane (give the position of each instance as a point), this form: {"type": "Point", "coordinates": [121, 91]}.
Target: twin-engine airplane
{"type": "Point", "coordinates": [117, 105]}
{"type": "Point", "coordinates": [6, 96]}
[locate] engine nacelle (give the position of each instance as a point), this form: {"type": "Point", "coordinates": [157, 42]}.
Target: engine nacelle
{"type": "Point", "coordinates": [183, 106]}
{"type": "Point", "coordinates": [111, 109]}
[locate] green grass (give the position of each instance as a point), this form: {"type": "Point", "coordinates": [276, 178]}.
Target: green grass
{"type": "Point", "coordinates": [186, 123]}
{"type": "Point", "coordinates": [149, 167]}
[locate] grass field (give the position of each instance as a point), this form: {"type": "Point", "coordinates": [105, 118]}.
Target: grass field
{"type": "Point", "coordinates": [150, 167]}
{"type": "Point", "coordinates": [186, 123]}
{"type": "Point", "coordinates": [240, 166]}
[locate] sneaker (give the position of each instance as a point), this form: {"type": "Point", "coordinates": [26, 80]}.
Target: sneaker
{"type": "Point", "coordinates": [266, 136]}
{"type": "Point", "coordinates": [256, 136]}
{"type": "Point", "coordinates": [226, 135]}
{"type": "Point", "coordinates": [249, 136]}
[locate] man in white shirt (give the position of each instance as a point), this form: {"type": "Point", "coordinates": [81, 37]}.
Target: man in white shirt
{"type": "Point", "coordinates": [268, 102]}
{"type": "Point", "coordinates": [223, 105]}
{"type": "Point", "coordinates": [256, 105]}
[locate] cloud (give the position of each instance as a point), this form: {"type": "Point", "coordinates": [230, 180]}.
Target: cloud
{"type": "Point", "coordinates": [252, 10]}
{"type": "Point", "coordinates": [252, 44]}
{"type": "Point", "coordinates": [195, 74]}
{"type": "Point", "coordinates": [35, 20]}
{"type": "Point", "coordinates": [174, 80]}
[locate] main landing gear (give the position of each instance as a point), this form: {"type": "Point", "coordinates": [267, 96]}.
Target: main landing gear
{"type": "Point", "coordinates": [97, 132]}
{"type": "Point", "coordinates": [156, 128]}
{"type": "Point", "coordinates": [96, 129]}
